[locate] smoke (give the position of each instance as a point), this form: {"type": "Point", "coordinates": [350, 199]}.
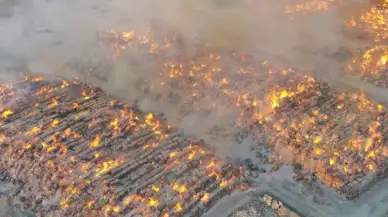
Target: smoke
{"type": "Point", "coordinates": [56, 37]}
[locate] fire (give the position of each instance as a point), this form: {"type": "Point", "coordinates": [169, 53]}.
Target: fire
{"type": "Point", "coordinates": [372, 65]}
{"type": "Point", "coordinates": [371, 167]}
{"type": "Point", "coordinates": [90, 204]}
{"type": "Point", "coordinates": [205, 197]}
{"type": "Point", "coordinates": [333, 155]}
{"type": "Point", "coordinates": [178, 208]}
{"type": "Point", "coordinates": [317, 151]}
{"type": "Point", "coordinates": [153, 202]}
{"type": "Point", "coordinates": [274, 101]}
{"type": "Point", "coordinates": [53, 103]}
{"type": "Point", "coordinates": [106, 166]}
{"type": "Point", "coordinates": [215, 174]}
{"type": "Point", "coordinates": [64, 84]}
{"type": "Point", "coordinates": [133, 198]}
{"type": "Point", "coordinates": [55, 123]}
{"type": "Point", "coordinates": [45, 90]}
{"type": "Point", "coordinates": [116, 209]}
{"type": "Point", "coordinates": [3, 138]}
{"type": "Point", "coordinates": [114, 124]}
{"type": "Point", "coordinates": [277, 96]}
{"type": "Point", "coordinates": [85, 95]}
{"type": "Point", "coordinates": [284, 94]}
{"type": "Point", "coordinates": [182, 189]}
{"type": "Point", "coordinates": [192, 154]}
{"type": "Point", "coordinates": [7, 113]}
{"type": "Point", "coordinates": [107, 210]}
{"type": "Point", "coordinates": [33, 79]}
{"type": "Point", "coordinates": [96, 142]}
{"type": "Point", "coordinates": [211, 164]}
{"type": "Point", "coordinates": [375, 59]}
{"type": "Point", "coordinates": [51, 148]}
{"type": "Point", "coordinates": [317, 140]}
{"type": "Point", "coordinates": [173, 154]}
{"type": "Point", "coordinates": [34, 131]}
{"type": "Point", "coordinates": [149, 118]}
{"type": "Point", "coordinates": [156, 189]}
{"type": "Point", "coordinates": [85, 167]}
{"type": "Point", "coordinates": [197, 79]}
{"type": "Point", "coordinates": [375, 21]}
{"type": "Point", "coordinates": [68, 131]}
{"type": "Point", "coordinates": [179, 188]}
{"type": "Point", "coordinates": [27, 146]}
{"type": "Point", "coordinates": [309, 6]}
{"type": "Point", "coordinates": [128, 35]}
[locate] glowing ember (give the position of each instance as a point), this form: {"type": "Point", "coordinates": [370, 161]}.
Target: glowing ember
{"type": "Point", "coordinates": [375, 21]}
{"type": "Point", "coordinates": [310, 6]}
{"type": "Point", "coordinates": [96, 142]}
{"type": "Point", "coordinates": [152, 202]}
{"type": "Point", "coordinates": [314, 105]}
{"type": "Point", "coordinates": [7, 113]}
{"type": "Point", "coordinates": [205, 197]}
{"type": "Point", "coordinates": [178, 207]}
{"type": "Point", "coordinates": [373, 65]}
{"type": "Point", "coordinates": [156, 189]}
{"type": "Point", "coordinates": [332, 147]}
{"type": "Point", "coordinates": [375, 59]}
{"type": "Point", "coordinates": [55, 123]}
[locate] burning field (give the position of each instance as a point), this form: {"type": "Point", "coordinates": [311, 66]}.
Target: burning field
{"type": "Point", "coordinates": [85, 154]}
{"type": "Point", "coordinates": [337, 137]}
{"type": "Point", "coordinates": [377, 58]}
{"type": "Point", "coordinates": [72, 149]}
{"type": "Point", "coordinates": [371, 65]}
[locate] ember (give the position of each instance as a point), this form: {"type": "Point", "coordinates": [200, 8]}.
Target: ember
{"type": "Point", "coordinates": [338, 136]}
{"type": "Point", "coordinates": [371, 66]}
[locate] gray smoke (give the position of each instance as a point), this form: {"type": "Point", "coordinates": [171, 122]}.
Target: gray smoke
{"type": "Point", "coordinates": [44, 36]}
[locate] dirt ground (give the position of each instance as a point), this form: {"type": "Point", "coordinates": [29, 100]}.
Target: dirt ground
{"type": "Point", "coordinates": [8, 208]}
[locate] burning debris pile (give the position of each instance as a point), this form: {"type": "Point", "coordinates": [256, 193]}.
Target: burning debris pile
{"type": "Point", "coordinates": [310, 6]}
{"type": "Point", "coordinates": [339, 137]}
{"type": "Point", "coordinates": [264, 206]}
{"type": "Point", "coordinates": [72, 150]}
{"type": "Point", "coordinates": [336, 137]}
{"type": "Point", "coordinates": [373, 21]}
{"type": "Point", "coordinates": [372, 65]}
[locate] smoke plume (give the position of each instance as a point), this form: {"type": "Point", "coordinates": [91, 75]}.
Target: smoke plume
{"type": "Point", "coordinates": [51, 36]}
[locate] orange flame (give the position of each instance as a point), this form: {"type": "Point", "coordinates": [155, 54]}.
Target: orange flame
{"type": "Point", "coordinates": [96, 142]}
{"type": "Point", "coordinates": [7, 113]}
